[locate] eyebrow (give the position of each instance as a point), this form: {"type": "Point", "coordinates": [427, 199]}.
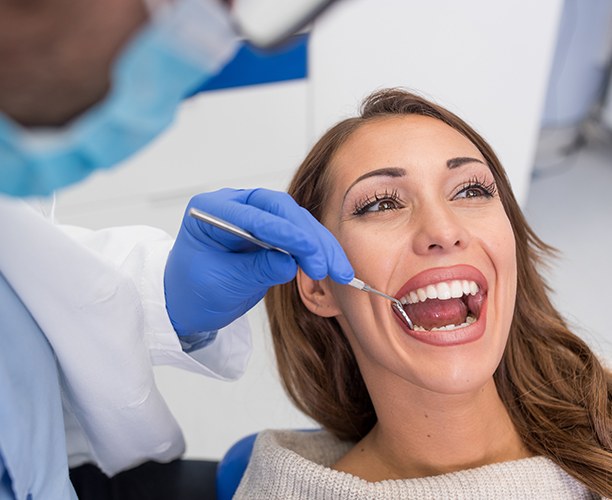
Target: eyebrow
{"type": "Point", "coordinates": [457, 162]}
{"type": "Point", "coordinates": [384, 172]}
{"type": "Point", "coordinates": [400, 172]}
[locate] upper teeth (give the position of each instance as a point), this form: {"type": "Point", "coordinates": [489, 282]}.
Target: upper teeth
{"type": "Point", "coordinates": [444, 290]}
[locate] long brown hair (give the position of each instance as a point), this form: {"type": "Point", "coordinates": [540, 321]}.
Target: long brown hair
{"type": "Point", "coordinates": [557, 393]}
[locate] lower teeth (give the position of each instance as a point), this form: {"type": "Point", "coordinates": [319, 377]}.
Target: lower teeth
{"type": "Point", "coordinates": [468, 321]}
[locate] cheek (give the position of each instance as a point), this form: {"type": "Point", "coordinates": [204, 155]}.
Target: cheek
{"type": "Point", "coordinates": [497, 237]}
{"type": "Point", "coordinates": [511, 279]}
{"type": "Point", "coordinates": [502, 251]}
{"type": "Point", "coordinates": [374, 258]}
{"type": "Point", "coordinates": [505, 254]}
{"type": "Point", "coordinates": [356, 312]}
{"type": "Point", "coordinates": [372, 253]}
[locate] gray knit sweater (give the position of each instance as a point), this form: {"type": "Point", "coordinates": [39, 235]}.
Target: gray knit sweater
{"type": "Point", "coordinates": [288, 465]}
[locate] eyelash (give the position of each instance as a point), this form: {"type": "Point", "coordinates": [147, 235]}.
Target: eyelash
{"type": "Point", "coordinates": [487, 190]}
{"type": "Point", "coordinates": [362, 206]}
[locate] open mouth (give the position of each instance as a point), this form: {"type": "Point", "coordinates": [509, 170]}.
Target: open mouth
{"type": "Point", "coordinates": [444, 306]}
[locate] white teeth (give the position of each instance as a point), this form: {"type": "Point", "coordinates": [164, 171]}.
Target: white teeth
{"type": "Point", "coordinates": [442, 291]}
{"type": "Point", "coordinates": [456, 289]}
{"type": "Point", "coordinates": [468, 321]}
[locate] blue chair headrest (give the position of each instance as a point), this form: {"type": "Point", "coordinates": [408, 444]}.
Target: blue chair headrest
{"type": "Point", "coordinates": [232, 467]}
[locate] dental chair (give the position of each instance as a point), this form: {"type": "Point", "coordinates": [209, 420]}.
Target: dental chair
{"type": "Point", "coordinates": [232, 467]}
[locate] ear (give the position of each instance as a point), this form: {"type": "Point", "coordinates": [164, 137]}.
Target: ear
{"type": "Point", "coordinates": [317, 296]}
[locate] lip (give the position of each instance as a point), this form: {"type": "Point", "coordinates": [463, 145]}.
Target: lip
{"type": "Point", "coordinates": [438, 274]}
{"type": "Point", "coordinates": [460, 336]}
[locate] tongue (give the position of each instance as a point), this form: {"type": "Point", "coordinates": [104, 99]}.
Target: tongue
{"type": "Point", "coordinates": [434, 313]}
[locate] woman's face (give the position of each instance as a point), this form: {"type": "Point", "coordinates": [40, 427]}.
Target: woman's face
{"type": "Point", "coordinates": [415, 207]}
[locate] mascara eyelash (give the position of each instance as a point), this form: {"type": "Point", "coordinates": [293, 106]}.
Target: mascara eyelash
{"type": "Point", "coordinates": [362, 205]}
{"type": "Point", "coordinates": [475, 182]}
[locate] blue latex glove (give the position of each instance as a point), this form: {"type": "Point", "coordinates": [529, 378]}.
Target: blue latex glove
{"type": "Point", "coordinates": [213, 277]}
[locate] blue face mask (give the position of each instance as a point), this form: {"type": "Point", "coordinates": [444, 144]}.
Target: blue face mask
{"type": "Point", "coordinates": [186, 43]}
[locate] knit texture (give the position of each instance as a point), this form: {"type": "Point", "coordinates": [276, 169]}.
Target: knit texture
{"type": "Point", "coordinates": [291, 465]}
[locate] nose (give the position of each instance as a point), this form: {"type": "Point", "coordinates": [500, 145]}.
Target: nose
{"type": "Point", "coordinates": [439, 230]}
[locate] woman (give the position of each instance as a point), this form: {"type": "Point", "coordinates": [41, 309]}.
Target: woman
{"type": "Point", "coordinates": [490, 395]}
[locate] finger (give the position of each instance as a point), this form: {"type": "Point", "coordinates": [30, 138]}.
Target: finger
{"type": "Point", "coordinates": [329, 257]}
{"type": "Point", "coordinates": [273, 268]}
{"type": "Point", "coordinates": [337, 264]}
{"type": "Point", "coordinates": [318, 262]}
{"type": "Point", "coordinates": [273, 229]}
{"type": "Point", "coordinates": [280, 222]}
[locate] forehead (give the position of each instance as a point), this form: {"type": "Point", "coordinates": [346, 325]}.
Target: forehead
{"type": "Point", "coordinates": [411, 141]}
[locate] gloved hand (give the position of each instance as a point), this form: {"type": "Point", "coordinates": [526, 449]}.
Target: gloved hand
{"type": "Point", "coordinates": [213, 277]}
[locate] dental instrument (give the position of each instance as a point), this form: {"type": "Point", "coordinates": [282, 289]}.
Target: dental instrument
{"type": "Point", "coordinates": [397, 305]}
{"type": "Point", "coordinates": [238, 231]}
{"type": "Point", "coordinates": [232, 228]}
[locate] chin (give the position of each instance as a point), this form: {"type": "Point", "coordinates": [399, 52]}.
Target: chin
{"type": "Point", "coordinates": [461, 369]}
{"type": "Point", "coordinates": [459, 382]}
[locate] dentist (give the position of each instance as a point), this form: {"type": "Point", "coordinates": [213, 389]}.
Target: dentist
{"type": "Point", "coordinates": [83, 314]}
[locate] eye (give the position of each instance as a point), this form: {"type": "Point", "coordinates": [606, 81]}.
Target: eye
{"type": "Point", "coordinates": [476, 188]}
{"type": "Point", "coordinates": [471, 192]}
{"type": "Point", "coordinates": [381, 202]}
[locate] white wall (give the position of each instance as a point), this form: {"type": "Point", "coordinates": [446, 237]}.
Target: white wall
{"type": "Point", "coordinates": [487, 61]}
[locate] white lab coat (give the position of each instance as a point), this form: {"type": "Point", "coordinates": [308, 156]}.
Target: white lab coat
{"type": "Point", "coordinates": [98, 296]}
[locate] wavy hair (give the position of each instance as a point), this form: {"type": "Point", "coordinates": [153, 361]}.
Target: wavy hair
{"type": "Point", "coordinates": [557, 393]}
